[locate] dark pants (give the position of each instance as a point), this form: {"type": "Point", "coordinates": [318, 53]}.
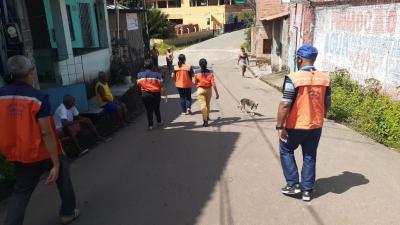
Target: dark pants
{"type": "Point", "coordinates": [308, 140]}
{"type": "Point", "coordinates": [185, 95]}
{"type": "Point", "coordinates": [170, 68]}
{"type": "Point", "coordinates": [27, 178]}
{"type": "Point", "coordinates": [151, 102]}
{"type": "Point", "coordinates": [155, 62]}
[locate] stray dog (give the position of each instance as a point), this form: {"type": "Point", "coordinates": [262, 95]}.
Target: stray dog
{"type": "Point", "coordinates": [247, 102]}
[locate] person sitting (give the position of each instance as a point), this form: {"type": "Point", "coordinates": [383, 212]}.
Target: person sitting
{"type": "Point", "coordinates": [106, 100]}
{"type": "Point", "coordinates": [69, 123]}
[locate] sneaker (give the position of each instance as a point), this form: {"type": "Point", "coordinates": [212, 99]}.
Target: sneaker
{"type": "Point", "coordinates": [205, 124]}
{"type": "Point", "coordinates": [291, 190]}
{"type": "Point", "coordinates": [184, 113]}
{"type": "Point", "coordinates": [150, 128]}
{"type": "Point", "coordinates": [188, 112]}
{"type": "Point", "coordinates": [306, 196]}
{"type": "Point", "coordinates": [103, 139]}
{"type": "Point", "coordinates": [84, 151]}
{"type": "Point", "coordinates": [68, 219]}
{"type": "Point", "coordinates": [160, 124]}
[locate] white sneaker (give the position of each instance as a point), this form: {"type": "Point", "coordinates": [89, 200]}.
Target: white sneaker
{"type": "Point", "coordinates": [68, 219]}
{"type": "Point", "coordinates": [150, 128]}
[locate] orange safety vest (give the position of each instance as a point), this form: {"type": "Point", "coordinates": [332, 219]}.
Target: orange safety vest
{"type": "Point", "coordinates": [308, 110]}
{"type": "Point", "coordinates": [21, 137]}
{"type": "Point", "coordinates": [204, 80]}
{"type": "Point", "coordinates": [182, 76]}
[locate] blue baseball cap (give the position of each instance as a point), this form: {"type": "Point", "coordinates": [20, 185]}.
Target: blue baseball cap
{"type": "Point", "coordinates": [307, 52]}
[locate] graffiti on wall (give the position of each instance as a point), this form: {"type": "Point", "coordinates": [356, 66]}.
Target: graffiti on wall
{"type": "Point", "coordinates": [362, 39]}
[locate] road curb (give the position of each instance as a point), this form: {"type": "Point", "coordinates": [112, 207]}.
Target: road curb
{"type": "Point", "coordinates": [278, 88]}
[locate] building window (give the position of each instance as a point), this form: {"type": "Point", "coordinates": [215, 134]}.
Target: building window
{"type": "Point", "coordinates": [267, 46]}
{"type": "Point", "coordinates": [174, 4]}
{"type": "Point", "coordinates": [162, 4]}
{"type": "Point", "coordinates": [71, 26]}
{"type": "Point", "coordinates": [86, 24]}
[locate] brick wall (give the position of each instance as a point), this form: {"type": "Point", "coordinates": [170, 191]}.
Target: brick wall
{"type": "Point", "coordinates": [263, 29]}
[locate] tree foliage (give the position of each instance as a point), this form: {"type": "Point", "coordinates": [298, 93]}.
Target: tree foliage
{"type": "Point", "coordinates": [158, 24]}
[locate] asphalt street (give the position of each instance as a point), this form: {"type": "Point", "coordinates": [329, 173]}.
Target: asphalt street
{"type": "Point", "coordinates": [228, 173]}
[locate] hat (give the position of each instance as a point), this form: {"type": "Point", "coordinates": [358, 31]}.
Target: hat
{"type": "Point", "coordinates": [307, 52]}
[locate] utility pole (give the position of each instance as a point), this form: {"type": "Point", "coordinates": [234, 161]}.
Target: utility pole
{"type": "Point", "coordinates": [117, 21]}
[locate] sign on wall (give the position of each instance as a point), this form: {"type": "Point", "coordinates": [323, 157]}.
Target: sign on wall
{"type": "Point", "coordinates": [365, 40]}
{"type": "Point", "coordinates": [132, 21]}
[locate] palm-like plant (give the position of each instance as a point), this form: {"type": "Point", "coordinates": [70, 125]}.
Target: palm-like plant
{"type": "Point", "coordinates": [158, 24]}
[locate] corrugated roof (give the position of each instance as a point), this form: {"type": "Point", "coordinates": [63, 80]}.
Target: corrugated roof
{"type": "Point", "coordinates": [112, 6]}
{"type": "Point", "coordinates": [276, 16]}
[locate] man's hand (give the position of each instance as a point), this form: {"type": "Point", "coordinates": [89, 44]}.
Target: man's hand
{"type": "Point", "coordinates": [283, 135]}
{"type": "Point", "coordinates": [53, 175]}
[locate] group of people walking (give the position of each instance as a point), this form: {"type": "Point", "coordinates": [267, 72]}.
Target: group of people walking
{"type": "Point", "coordinates": [185, 77]}
{"type": "Point", "coordinates": [28, 134]}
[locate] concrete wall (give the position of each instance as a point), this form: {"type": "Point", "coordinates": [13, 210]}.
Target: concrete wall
{"type": "Point", "coordinates": [84, 68]}
{"type": "Point", "coordinates": [187, 38]}
{"type": "Point", "coordinates": [362, 39]}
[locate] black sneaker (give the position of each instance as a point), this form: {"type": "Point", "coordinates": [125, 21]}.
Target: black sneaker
{"type": "Point", "coordinates": [291, 190]}
{"type": "Point", "coordinates": [306, 196]}
{"type": "Point", "coordinates": [205, 124]}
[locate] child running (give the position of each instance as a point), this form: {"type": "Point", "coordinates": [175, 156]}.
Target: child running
{"type": "Point", "coordinates": [204, 80]}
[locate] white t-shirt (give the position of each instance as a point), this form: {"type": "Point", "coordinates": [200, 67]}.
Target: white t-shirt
{"type": "Point", "coordinates": [62, 113]}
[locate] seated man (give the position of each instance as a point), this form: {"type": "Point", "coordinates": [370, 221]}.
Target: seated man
{"type": "Point", "coordinates": [69, 122]}
{"type": "Point", "coordinates": [106, 100]}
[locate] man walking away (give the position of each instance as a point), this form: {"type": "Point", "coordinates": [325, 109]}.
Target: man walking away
{"type": "Point", "coordinates": [151, 86]}
{"type": "Point", "coordinates": [170, 58]}
{"type": "Point", "coordinates": [154, 56]}
{"type": "Point", "coordinates": [29, 141]}
{"type": "Point", "coordinates": [306, 99]}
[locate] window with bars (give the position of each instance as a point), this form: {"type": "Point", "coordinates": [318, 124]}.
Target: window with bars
{"type": "Point", "coordinates": [71, 26]}
{"type": "Point", "coordinates": [86, 25]}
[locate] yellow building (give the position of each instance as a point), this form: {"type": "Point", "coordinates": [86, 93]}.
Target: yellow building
{"type": "Point", "coordinates": [208, 14]}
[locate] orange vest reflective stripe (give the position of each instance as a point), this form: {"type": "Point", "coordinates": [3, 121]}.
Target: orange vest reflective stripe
{"type": "Point", "coordinates": [204, 80]}
{"type": "Point", "coordinates": [308, 110]}
{"type": "Point", "coordinates": [182, 76]}
{"type": "Point", "coordinates": [21, 137]}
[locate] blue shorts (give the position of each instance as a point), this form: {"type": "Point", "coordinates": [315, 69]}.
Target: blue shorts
{"type": "Point", "coordinates": [111, 107]}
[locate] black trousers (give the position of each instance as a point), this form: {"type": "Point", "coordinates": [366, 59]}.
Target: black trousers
{"type": "Point", "coordinates": [151, 101]}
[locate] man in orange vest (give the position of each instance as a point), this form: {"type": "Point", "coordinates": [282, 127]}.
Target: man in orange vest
{"type": "Point", "coordinates": [28, 139]}
{"type": "Point", "coordinates": [301, 113]}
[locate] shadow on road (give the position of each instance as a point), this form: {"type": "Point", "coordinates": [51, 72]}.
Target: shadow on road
{"type": "Point", "coordinates": [339, 184]}
{"type": "Point", "coordinates": [166, 176]}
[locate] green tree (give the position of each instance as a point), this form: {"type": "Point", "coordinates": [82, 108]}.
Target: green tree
{"type": "Point", "coordinates": [158, 24]}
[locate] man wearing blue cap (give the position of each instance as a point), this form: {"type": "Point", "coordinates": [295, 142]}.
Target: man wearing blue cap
{"type": "Point", "coordinates": [301, 113]}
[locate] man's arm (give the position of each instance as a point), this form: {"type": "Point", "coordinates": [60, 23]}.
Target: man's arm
{"type": "Point", "coordinates": [283, 112]}
{"type": "Point", "coordinates": [50, 140]}
{"type": "Point", "coordinates": [289, 95]}
{"type": "Point", "coordinates": [328, 100]}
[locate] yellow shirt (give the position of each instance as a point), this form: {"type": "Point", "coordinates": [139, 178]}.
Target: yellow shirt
{"type": "Point", "coordinates": [107, 93]}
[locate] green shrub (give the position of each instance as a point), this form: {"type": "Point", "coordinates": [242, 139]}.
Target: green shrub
{"type": "Point", "coordinates": [365, 109]}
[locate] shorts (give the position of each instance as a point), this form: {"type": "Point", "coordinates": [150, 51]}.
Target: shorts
{"type": "Point", "coordinates": [111, 107]}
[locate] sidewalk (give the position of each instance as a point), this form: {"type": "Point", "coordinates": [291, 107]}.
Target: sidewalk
{"type": "Point", "coordinates": [273, 79]}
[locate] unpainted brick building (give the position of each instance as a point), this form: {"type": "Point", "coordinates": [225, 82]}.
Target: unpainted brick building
{"type": "Point", "coordinates": [270, 35]}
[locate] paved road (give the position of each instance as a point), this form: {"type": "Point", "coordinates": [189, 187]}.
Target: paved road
{"type": "Point", "coordinates": [228, 173]}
